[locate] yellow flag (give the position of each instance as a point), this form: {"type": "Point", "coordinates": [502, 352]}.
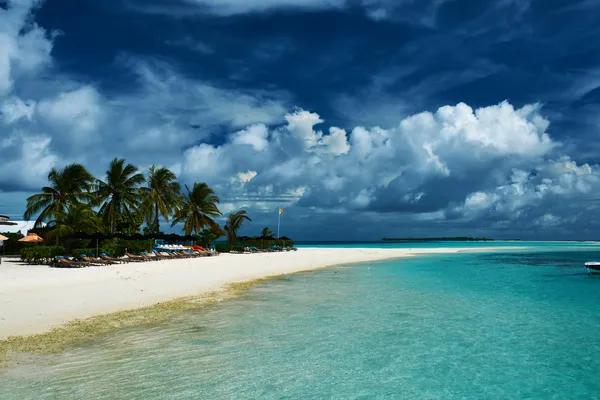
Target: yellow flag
{"type": "Point", "coordinates": [281, 211]}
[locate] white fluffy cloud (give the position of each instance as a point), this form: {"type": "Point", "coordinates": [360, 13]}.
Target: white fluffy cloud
{"type": "Point", "coordinates": [388, 170]}
{"type": "Point", "coordinates": [26, 160]}
{"type": "Point", "coordinates": [496, 164]}
{"type": "Point", "coordinates": [24, 46]}
{"type": "Point", "coordinates": [79, 109]}
{"type": "Point", "coordinates": [24, 50]}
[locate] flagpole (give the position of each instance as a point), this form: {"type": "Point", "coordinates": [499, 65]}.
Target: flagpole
{"type": "Point", "coordinates": [278, 221]}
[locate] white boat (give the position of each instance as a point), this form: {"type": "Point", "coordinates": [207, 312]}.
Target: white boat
{"type": "Point", "coordinates": [593, 267]}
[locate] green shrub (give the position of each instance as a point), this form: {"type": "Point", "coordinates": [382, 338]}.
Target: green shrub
{"type": "Point", "coordinates": [111, 250]}
{"type": "Point", "coordinates": [223, 247]}
{"type": "Point", "coordinates": [86, 251]}
{"type": "Point", "coordinates": [12, 246]}
{"type": "Point", "coordinates": [41, 254]}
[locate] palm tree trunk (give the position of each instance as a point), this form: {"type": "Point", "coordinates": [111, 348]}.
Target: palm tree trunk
{"type": "Point", "coordinates": [156, 223]}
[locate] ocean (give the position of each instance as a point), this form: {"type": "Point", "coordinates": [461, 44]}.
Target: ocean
{"type": "Point", "coordinates": [510, 324]}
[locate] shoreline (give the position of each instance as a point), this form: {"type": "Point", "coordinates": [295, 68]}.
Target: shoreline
{"type": "Point", "coordinates": [42, 309]}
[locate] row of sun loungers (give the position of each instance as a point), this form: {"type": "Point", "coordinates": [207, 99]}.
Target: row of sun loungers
{"type": "Point", "coordinates": [271, 249]}
{"type": "Point", "coordinates": [85, 260]}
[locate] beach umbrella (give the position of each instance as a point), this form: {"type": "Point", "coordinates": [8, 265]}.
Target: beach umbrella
{"type": "Point", "coordinates": [79, 235]}
{"type": "Point", "coordinates": [171, 237]}
{"type": "Point", "coordinates": [284, 239]}
{"type": "Point", "coordinates": [136, 236]}
{"type": "Point", "coordinates": [270, 237]}
{"type": "Point", "coordinates": [31, 238]}
{"type": "Point", "coordinates": [90, 236]}
{"type": "Point", "coordinates": [263, 238]}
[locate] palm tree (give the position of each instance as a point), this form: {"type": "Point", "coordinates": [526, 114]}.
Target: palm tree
{"type": "Point", "coordinates": [161, 197]}
{"type": "Point", "coordinates": [76, 218]}
{"type": "Point", "coordinates": [67, 186]}
{"type": "Point", "coordinates": [198, 208]}
{"type": "Point", "coordinates": [234, 223]}
{"type": "Point", "coordinates": [266, 232]}
{"type": "Point", "coordinates": [209, 235]}
{"type": "Point", "coordinates": [119, 193]}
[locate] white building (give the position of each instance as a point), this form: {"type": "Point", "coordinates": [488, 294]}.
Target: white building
{"type": "Point", "coordinates": [19, 226]}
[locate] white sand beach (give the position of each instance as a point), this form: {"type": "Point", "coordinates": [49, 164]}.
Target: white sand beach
{"type": "Point", "coordinates": [35, 299]}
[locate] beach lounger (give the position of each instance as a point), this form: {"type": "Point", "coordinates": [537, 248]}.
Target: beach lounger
{"type": "Point", "coordinates": [160, 256]}
{"type": "Point", "coordinates": [97, 261]}
{"type": "Point", "coordinates": [115, 260]}
{"type": "Point", "coordinates": [64, 262]}
{"type": "Point", "coordinates": [134, 257]}
{"type": "Point", "coordinates": [148, 257]}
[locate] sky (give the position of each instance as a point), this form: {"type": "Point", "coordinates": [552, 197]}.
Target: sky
{"type": "Point", "coordinates": [360, 118]}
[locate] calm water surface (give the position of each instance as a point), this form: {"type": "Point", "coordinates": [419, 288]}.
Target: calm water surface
{"type": "Point", "coordinates": [512, 324]}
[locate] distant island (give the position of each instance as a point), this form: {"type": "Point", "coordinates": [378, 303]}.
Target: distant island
{"type": "Point", "coordinates": [439, 239]}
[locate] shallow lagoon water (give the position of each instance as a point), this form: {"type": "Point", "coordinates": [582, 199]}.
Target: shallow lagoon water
{"type": "Point", "coordinates": [518, 324]}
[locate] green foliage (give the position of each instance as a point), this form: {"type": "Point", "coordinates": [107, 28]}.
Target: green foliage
{"type": "Point", "coordinates": [69, 203]}
{"type": "Point", "coordinates": [132, 246]}
{"type": "Point", "coordinates": [12, 245]}
{"type": "Point", "coordinates": [208, 236]}
{"type": "Point", "coordinates": [234, 223]}
{"type": "Point", "coordinates": [86, 251]}
{"type": "Point", "coordinates": [223, 247]}
{"type": "Point", "coordinates": [161, 197]}
{"type": "Point", "coordinates": [119, 193]}
{"type": "Point", "coordinates": [76, 218]}
{"type": "Point", "coordinates": [129, 224]}
{"type": "Point", "coordinates": [198, 208]}
{"type": "Point", "coordinates": [118, 249]}
{"type": "Point", "coordinates": [70, 185]}
{"type": "Point", "coordinates": [266, 231]}
{"type": "Point", "coordinates": [112, 250]}
{"type": "Point", "coordinates": [41, 254]}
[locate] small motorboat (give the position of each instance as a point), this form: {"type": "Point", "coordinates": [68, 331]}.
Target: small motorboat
{"type": "Point", "coordinates": [593, 267]}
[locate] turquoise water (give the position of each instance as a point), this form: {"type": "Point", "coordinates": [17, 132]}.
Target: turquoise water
{"type": "Point", "coordinates": [502, 325]}
{"type": "Point", "coordinates": [451, 244]}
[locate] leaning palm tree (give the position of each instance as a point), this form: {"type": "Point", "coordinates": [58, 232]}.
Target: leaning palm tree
{"type": "Point", "coordinates": [119, 193]}
{"type": "Point", "coordinates": [161, 197]}
{"type": "Point", "coordinates": [76, 218]}
{"type": "Point", "coordinates": [198, 209]}
{"type": "Point", "coordinates": [234, 223]}
{"type": "Point", "coordinates": [67, 186]}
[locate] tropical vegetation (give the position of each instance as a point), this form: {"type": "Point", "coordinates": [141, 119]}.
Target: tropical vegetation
{"type": "Point", "coordinates": [233, 225]}
{"type": "Point", "coordinates": [125, 201]}
{"type": "Point", "coordinates": [69, 186]}
{"type": "Point", "coordinates": [75, 207]}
